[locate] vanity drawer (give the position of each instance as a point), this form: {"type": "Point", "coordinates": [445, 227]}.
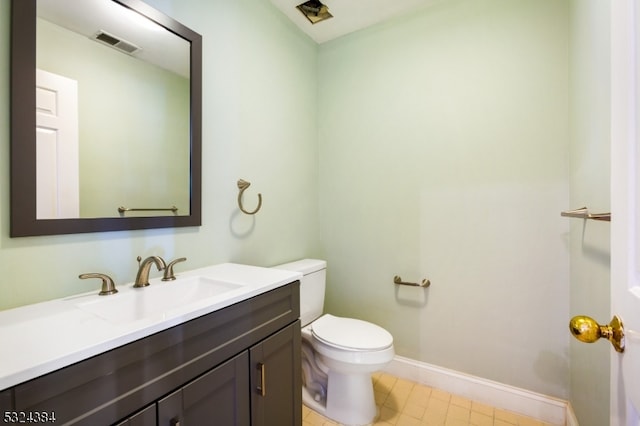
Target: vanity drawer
{"type": "Point", "coordinates": [110, 386]}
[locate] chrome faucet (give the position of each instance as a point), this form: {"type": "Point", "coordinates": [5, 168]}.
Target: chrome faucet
{"type": "Point", "coordinates": [142, 278]}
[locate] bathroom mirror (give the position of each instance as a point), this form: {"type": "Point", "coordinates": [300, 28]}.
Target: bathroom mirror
{"type": "Point", "coordinates": [134, 160]}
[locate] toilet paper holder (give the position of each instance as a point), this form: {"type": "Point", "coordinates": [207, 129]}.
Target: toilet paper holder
{"type": "Point", "coordinates": [425, 282]}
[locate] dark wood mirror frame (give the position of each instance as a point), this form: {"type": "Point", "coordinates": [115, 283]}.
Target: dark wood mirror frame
{"type": "Point", "coordinates": [23, 133]}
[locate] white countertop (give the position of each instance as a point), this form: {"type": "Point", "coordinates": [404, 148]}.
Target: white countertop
{"type": "Point", "coordinates": [44, 337]}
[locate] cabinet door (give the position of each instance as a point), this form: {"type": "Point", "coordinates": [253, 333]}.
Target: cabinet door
{"type": "Point", "coordinates": [276, 383]}
{"type": "Point", "coordinates": [218, 398]}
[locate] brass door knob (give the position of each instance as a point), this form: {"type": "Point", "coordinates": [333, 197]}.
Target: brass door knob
{"type": "Point", "coordinates": [587, 330]}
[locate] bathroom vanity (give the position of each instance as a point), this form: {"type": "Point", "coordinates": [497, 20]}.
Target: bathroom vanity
{"type": "Point", "coordinates": [238, 363]}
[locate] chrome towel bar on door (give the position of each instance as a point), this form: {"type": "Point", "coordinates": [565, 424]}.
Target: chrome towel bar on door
{"type": "Point", "coordinates": [583, 213]}
{"type": "Point", "coordinates": [425, 282]}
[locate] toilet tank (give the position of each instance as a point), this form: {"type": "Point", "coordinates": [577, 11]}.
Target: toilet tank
{"type": "Point", "coordinates": [312, 286]}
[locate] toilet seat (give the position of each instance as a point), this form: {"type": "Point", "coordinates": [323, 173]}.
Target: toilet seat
{"type": "Point", "coordinates": [350, 334]}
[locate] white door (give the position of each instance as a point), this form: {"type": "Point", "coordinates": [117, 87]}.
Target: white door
{"type": "Point", "coordinates": [625, 208]}
{"type": "Point", "coordinates": [57, 181]}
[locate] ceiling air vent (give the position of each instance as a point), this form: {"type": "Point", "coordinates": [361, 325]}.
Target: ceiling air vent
{"type": "Point", "coordinates": [314, 11]}
{"type": "Point", "coordinates": [115, 42]}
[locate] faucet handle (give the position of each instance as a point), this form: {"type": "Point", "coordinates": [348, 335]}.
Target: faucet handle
{"type": "Point", "coordinates": [108, 286]}
{"type": "Point", "coordinates": [168, 271]}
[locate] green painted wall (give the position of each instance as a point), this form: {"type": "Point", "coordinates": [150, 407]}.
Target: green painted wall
{"type": "Point", "coordinates": [443, 154]}
{"type": "Point", "coordinates": [590, 186]}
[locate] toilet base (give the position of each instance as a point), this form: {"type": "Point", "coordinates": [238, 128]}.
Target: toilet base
{"type": "Point", "coordinates": [350, 399]}
{"type": "Point", "coordinates": [339, 381]}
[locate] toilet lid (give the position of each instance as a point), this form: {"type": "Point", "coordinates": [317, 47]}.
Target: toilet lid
{"type": "Point", "coordinates": [351, 333]}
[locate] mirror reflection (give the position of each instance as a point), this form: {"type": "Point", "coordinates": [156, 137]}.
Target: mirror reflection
{"type": "Point", "coordinates": [112, 113]}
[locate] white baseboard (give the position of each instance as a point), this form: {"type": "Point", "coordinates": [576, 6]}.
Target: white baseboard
{"type": "Point", "coordinates": [572, 420]}
{"type": "Point", "coordinates": [545, 408]}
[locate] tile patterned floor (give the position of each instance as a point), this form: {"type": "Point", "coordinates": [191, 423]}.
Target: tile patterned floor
{"type": "Point", "coordinates": [404, 403]}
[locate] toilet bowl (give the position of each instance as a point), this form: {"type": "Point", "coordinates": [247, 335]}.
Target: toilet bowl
{"type": "Point", "coordinates": [338, 354]}
{"type": "Point", "coordinates": [349, 390]}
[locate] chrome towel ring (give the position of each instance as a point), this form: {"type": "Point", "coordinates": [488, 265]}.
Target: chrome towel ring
{"type": "Point", "coordinates": [242, 185]}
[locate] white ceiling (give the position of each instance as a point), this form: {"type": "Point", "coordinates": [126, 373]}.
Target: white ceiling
{"type": "Point", "coordinates": [348, 15]}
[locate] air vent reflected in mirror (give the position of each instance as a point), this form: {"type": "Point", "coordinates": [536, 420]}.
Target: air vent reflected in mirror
{"type": "Point", "coordinates": [116, 42]}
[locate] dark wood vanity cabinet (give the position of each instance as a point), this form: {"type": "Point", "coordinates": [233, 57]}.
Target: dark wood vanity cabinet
{"type": "Point", "coordinates": [237, 366]}
{"type": "Point", "coordinates": [265, 394]}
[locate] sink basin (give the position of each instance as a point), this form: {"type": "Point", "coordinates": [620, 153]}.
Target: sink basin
{"type": "Point", "coordinates": [158, 299]}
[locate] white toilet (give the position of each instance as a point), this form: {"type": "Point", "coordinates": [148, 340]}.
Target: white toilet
{"type": "Point", "coordinates": [338, 354]}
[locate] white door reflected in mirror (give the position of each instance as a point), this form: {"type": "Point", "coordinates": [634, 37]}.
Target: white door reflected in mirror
{"type": "Point", "coordinates": [57, 194]}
